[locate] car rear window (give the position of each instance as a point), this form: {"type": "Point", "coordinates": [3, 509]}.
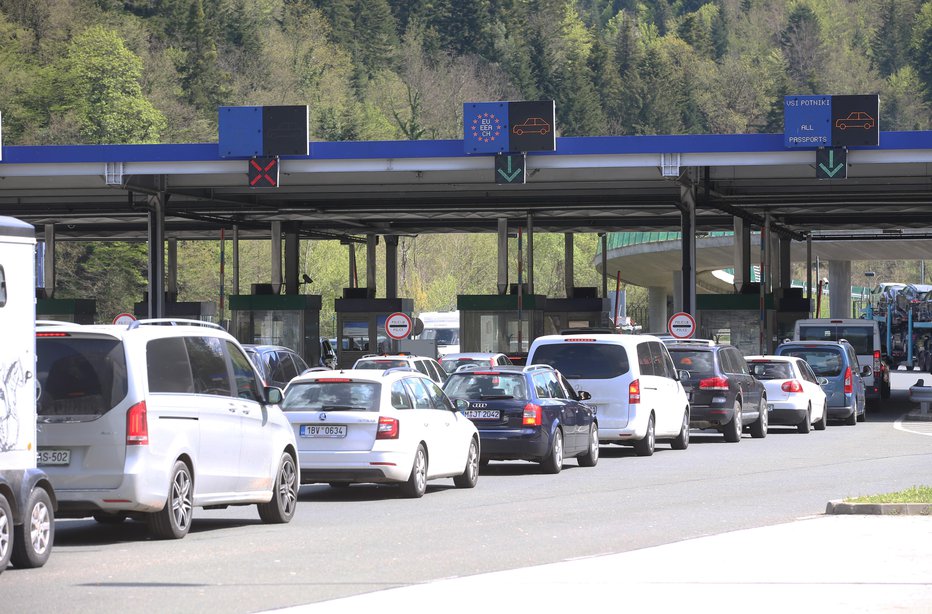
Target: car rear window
{"type": "Point", "coordinates": [860, 337]}
{"type": "Point", "coordinates": [578, 360]}
{"type": "Point", "coordinates": [387, 363]}
{"type": "Point", "coordinates": [824, 361]}
{"type": "Point", "coordinates": [697, 362]}
{"type": "Point", "coordinates": [762, 369]}
{"type": "Point", "coordinates": [452, 365]}
{"type": "Point", "coordinates": [477, 386]}
{"type": "Point", "coordinates": [332, 396]}
{"type": "Point", "coordinates": [80, 376]}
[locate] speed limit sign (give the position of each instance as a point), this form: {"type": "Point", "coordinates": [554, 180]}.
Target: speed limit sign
{"type": "Point", "coordinates": [682, 325]}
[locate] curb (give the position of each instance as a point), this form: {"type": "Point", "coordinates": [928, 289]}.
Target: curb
{"type": "Point", "coordinates": [917, 417]}
{"type": "Point", "coordinates": [880, 509]}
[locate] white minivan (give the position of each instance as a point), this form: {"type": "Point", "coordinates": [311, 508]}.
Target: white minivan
{"type": "Point", "coordinates": [864, 337]}
{"type": "Point", "coordinates": [635, 388]}
{"type": "Point", "coordinates": [153, 419]}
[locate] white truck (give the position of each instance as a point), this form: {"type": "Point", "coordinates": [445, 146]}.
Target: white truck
{"type": "Point", "coordinates": [444, 328]}
{"type": "Point", "coordinates": [27, 500]}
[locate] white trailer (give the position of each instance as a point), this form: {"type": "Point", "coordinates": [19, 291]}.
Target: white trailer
{"type": "Point", "coordinates": [27, 501]}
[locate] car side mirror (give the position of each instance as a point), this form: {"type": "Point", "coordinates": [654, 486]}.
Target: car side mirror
{"type": "Point", "coordinates": [461, 404]}
{"type": "Point", "coordinates": [683, 374]}
{"type": "Point", "coordinates": [822, 380]}
{"type": "Point", "coordinates": [273, 395]}
{"type": "Point", "coordinates": [866, 371]}
{"type": "Point", "coordinates": [583, 395]}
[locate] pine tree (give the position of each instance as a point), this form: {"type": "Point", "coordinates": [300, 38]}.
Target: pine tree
{"type": "Point", "coordinates": [922, 48]}
{"type": "Point", "coordinates": [890, 42]}
{"type": "Point", "coordinates": [803, 48]}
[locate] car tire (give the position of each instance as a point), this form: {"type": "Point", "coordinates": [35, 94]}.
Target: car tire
{"type": "Point", "coordinates": [821, 424]}
{"type": "Point", "coordinates": [759, 427]}
{"type": "Point", "coordinates": [174, 520]}
{"type": "Point", "coordinates": [590, 457]}
{"type": "Point", "coordinates": [852, 420]}
{"type": "Point", "coordinates": [806, 425]}
{"type": "Point", "coordinates": [470, 475]}
{"type": "Point", "coordinates": [6, 532]}
{"type": "Point", "coordinates": [281, 508]}
{"type": "Point", "coordinates": [32, 540]}
{"type": "Point", "coordinates": [681, 441]}
{"type": "Point", "coordinates": [645, 446]}
{"type": "Point", "coordinates": [112, 519]}
{"type": "Point", "coordinates": [416, 485]}
{"type": "Point", "coordinates": [553, 463]}
{"type": "Point", "coordinates": [732, 431]}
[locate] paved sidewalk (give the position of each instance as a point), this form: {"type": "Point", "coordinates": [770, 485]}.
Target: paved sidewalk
{"type": "Point", "coordinates": [821, 564]}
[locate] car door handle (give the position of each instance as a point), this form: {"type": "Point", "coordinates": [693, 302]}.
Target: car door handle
{"type": "Point", "coordinates": [246, 411]}
{"type": "Point", "coordinates": [649, 388]}
{"type": "Point", "coordinates": [231, 409]}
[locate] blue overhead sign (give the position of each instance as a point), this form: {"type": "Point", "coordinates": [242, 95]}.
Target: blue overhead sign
{"type": "Point", "coordinates": [245, 132]}
{"type": "Point", "coordinates": [519, 125]}
{"type": "Point", "coordinates": [807, 121]}
{"type": "Point", "coordinates": [485, 127]}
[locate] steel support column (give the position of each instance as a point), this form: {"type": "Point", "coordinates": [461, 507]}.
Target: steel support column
{"type": "Point", "coordinates": [171, 272]}
{"type": "Point", "coordinates": [530, 253]}
{"type": "Point", "coordinates": [291, 259]}
{"type": "Point", "coordinates": [391, 266]}
{"type": "Point", "coordinates": [839, 288]}
{"type": "Point", "coordinates": [604, 238]}
{"type": "Point", "coordinates": [276, 256]}
{"type": "Point", "coordinates": [502, 255]}
{"type": "Point", "coordinates": [156, 243]}
{"type": "Point", "coordinates": [688, 227]}
{"type": "Point", "coordinates": [568, 272]}
{"type": "Point", "coordinates": [371, 242]}
{"type": "Point", "coordinates": [809, 272]}
{"type": "Point", "coordinates": [235, 259]}
{"type": "Point", "coordinates": [49, 261]}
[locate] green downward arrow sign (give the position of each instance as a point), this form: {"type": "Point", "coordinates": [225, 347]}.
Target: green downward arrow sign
{"type": "Point", "coordinates": [509, 176]}
{"type": "Point", "coordinates": [831, 170]}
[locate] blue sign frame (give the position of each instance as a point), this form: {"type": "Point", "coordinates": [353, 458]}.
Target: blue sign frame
{"type": "Point", "coordinates": [807, 121]}
{"type": "Point", "coordinates": [485, 127]}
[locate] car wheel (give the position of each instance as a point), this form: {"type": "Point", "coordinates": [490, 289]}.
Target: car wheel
{"type": "Point", "coordinates": [645, 446]}
{"type": "Point", "coordinates": [853, 418]}
{"type": "Point", "coordinates": [805, 425]}
{"type": "Point", "coordinates": [681, 442]}
{"type": "Point", "coordinates": [470, 475]}
{"type": "Point", "coordinates": [732, 430]}
{"type": "Point", "coordinates": [32, 540]}
{"type": "Point", "coordinates": [554, 461]}
{"type": "Point", "coordinates": [591, 456]}
{"type": "Point", "coordinates": [416, 485]}
{"type": "Point", "coordinates": [6, 532]}
{"type": "Point", "coordinates": [174, 520]}
{"type": "Point", "coordinates": [821, 424]}
{"type": "Point", "coordinates": [281, 508]}
{"type": "Point", "coordinates": [106, 518]}
{"type": "Point", "coordinates": [759, 427]}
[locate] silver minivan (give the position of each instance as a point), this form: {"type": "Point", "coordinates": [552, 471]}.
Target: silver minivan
{"type": "Point", "coordinates": [634, 386]}
{"type": "Point", "coordinates": [149, 421]}
{"type": "Point", "coordinates": [864, 337]}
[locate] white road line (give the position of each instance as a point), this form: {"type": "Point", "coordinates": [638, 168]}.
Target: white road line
{"type": "Point", "coordinates": [918, 428]}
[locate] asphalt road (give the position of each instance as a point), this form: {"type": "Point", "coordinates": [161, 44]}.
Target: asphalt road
{"type": "Point", "coordinates": [366, 538]}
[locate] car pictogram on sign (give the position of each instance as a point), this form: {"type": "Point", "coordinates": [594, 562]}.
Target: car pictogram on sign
{"type": "Point", "coordinates": [855, 119]}
{"type": "Point", "coordinates": [532, 125]}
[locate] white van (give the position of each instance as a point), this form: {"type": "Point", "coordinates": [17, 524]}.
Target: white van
{"type": "Point", "coordinates": [635, 388]}
{"type": "Point", "coordinates": [444, 328]}
{"type": "Point", "coordinates": [863, 335]}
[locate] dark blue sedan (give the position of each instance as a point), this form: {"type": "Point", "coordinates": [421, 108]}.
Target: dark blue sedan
{"type": "Point", "coordinates": [527, 413]}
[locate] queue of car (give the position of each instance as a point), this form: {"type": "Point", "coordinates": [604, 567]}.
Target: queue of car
{"type": "Point", "coordinates": [151, 420]}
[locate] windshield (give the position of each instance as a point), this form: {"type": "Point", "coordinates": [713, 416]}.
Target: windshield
{"type": "Point", "coordinates": [443, 336]}
{"type": "Point", "coordinates": [824, 361]}
{"type": "Point", "coordinates": [332, 396]}
{"type": "Point", "coordinates": [584, 360]}
{"type": "Point", "coordinates": [479, 386]}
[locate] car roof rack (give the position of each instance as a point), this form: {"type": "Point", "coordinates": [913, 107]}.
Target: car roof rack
{"type": "Point", "coordinates": [537, 367]}
{"type": "Point", "coordinates": [54, 323]}
{"type": "Point", "coordinates": [173, 322]}
{"type": "Point", "coordinates": [696, 342]}
{"type": "Point", "coordinates": [468, 368]}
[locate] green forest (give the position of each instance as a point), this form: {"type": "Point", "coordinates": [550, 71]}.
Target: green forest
{"type": "Point", "coordinates": [155, 71]}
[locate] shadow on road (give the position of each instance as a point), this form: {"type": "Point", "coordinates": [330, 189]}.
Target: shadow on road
{"type": "Point", "coordinates": [88, 532]}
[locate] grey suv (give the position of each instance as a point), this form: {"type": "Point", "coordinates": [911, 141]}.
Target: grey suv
{"type": "Point", "coordinates": [837, 362]}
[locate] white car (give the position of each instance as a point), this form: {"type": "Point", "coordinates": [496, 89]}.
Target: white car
{"type": "Point", "coordinates": [426, 365]}
{"type": "Point", "coordinates": [634, 386]}
{"type": "Point", "coordinates": [153, 419]}
{"type": "Point", "coordinates": [794, 392]}
{"type": "Point", "coordinates": [391, 426]}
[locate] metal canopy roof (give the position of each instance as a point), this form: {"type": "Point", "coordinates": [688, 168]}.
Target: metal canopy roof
{"type": "Point", "coordinates": [406, 187]}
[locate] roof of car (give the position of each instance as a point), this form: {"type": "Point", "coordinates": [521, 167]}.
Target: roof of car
{"type": "Point", "coordinates": [372, 375]}
{"type": "Point", "coordinates": [772, 357]}
{"type": "Point", "coordinates": [157, 327]}
{"type": "Point", "coordinates": [604, 337]}
{"type": "Point", "coordinates": [263, 347]}
{"type": "Point", "coordinates": [468, 355]}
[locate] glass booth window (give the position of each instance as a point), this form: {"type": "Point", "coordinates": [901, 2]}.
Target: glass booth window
{"type": "Point", "coordinates": [356, 336]}
{"type": "Point", "coordinates": [499, 332]}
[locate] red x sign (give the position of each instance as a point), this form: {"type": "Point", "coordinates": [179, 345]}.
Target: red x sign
{"type": "Point", "coordinates": [263, 172]}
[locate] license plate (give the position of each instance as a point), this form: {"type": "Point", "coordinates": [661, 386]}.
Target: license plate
{"type": "Point", "coordinates": [53, 457]}
{"type": "Point", "coordinates": [484, 414]}
{"type": "Point", "coordinates": [323, 430]}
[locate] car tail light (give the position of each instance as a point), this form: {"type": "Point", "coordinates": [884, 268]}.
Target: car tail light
{"type": "Point", "coordinates": [877, 361]}
{"type": "Point", "coordinates": [333, 380]}
{"type": "Point", "coordinates": [137, 425]}
{"type": "Point", "coordinates": [791, 386]}
{"type": "Point", "coordinates": [849, 383]}
{"type": "Point", "coordinates": [532, 415]}
{"type": "Point", "coordinates": [634, 392]}
{"type": "Point", "coordinates": [52, 335]}
{"type": "Point", "coordinates": [714, 383]}
{"type": "Point", "coordinates": [388, 428]}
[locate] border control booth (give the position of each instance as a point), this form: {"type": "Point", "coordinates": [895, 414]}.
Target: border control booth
{"type": "Point", "coordinates": [584, 309]}
{"type": "Point", "coordinates": [289, 320]}
{"type": "Point", "coordinates": [361, 324]}
{"type": "Point", "coordinates": [506, 323]}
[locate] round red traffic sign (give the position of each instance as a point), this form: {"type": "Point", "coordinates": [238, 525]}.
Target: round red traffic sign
{"type": "Point", "coordinates": [124, 318]}
{"type": "Point", "coordinates": [398, 325]}
{"type": "Point", "coordinates": [681, 325]}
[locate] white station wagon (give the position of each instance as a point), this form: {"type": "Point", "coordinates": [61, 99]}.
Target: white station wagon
{"type": "Point", "coordinates": [153, 419]}
{"type": "Point", "coordinates": [391, 426]}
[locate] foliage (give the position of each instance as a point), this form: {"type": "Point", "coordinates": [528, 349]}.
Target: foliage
{"type": "Point", "coordinates": [916, 494]}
